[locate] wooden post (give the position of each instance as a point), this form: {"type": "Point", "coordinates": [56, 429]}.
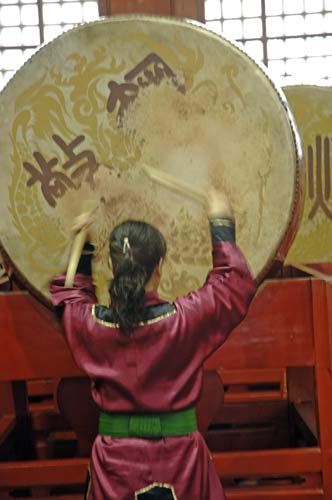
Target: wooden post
{"type": "Point", "coordinates": [321, 300]}
{"type": "Point", "coordinates": [191, 9]}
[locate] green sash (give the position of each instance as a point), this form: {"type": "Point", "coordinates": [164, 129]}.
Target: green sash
{"type": "Point", "coordinates": [151, 426]}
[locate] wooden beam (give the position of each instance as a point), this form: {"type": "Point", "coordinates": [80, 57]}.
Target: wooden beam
{"type": "Point", "coordinates": [43, 472]}
{"type": "Point", "coordinates": [191, 9]}
{"type": "Point", "coordinates": [282, 461]}
{"type": "Point", "coordinates": [282, 493]}
{"type": "Point", "coordinates": [114, 7]}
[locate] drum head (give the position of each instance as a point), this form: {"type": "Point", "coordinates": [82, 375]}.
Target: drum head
{"type": "Point", "coordinates": [87, 111]}
{"type": "Point", "coordinates": [312, 108]}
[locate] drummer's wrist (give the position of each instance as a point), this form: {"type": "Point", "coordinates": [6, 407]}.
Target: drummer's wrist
{"type": "Point", "coordinates": [222, 229]}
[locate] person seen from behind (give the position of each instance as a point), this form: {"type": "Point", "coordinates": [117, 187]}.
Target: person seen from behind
{"type": "Point", "coordinates": [145, 358]}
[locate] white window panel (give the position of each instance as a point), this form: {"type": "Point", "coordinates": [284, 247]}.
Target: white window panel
{"type": "Point", "coordinates": [328, 23]}
{"type": "Point", "coordinates": [90, 11]}
{"type": "Point", "coordinates": [51, 32]}
{"type": "Point", "coordinates": [328, 46]}
{"type": "Point", "coordinates": [313, 5]}
{"type": "Point", "coordinates": [31, 35]}
{"type": "Point", "coordinates": [231, 9]}
{"type": "Point", "coordinates": [29, 15]}
{"type": "Point", "coordinates": [214, 26]}
{"type": "Point", "coordinates": [317, 66]}
{"type": "Point", "coordinates": [294, 25]}
{"type": "Point", "coordinates": [276, 49]}
{"type": "Point", "coordinates": [7, 76]}
{"type": "Point", "coordinates": [293, 7]}
{"type": "Point", "coordinates": [212, 9]}
{"type": "Point", "coordinates": [72, 12]}
{"type": "Point", "coordinates": [27, 53]}
{"type": "Point", "coordinates": [10, 15]}
{"type": "Point", "coordinates": [251, 8]}
{"type": "Point", "coordinates": [314, 23]}
{"type": "Point", "coordinates": [296, 67]}
{"type": "Point", "coordinates": [52, 13]}
{"type": "Point", "coordinates": [328, 4]}
{"type": "Point", "coordinates": [274, 26]}
{"type": "Point", "coordinates": [252, 28]}
{"type": "Point", "coordinates": [233, 28]}
{"type": "Point", "coordinates": [295, 47]}
{"type": "Point", "coordinates": [28, 1]}
{"type": "Point", "coordinates": [255, 49]}
{"type": "Point", "coordinates": [12, 59]}
{"type": "Point", "coordinates": [277, 68]}
{"type": "Point", "coordinates": [328, 65]}
{"type": "Point", "coordinates": [316, 46]}
{"type": "Point", "coordinates": [11, 37]}
{"type": "Point", "coordinates": [273, 7]}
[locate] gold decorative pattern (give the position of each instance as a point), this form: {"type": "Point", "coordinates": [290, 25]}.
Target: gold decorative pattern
{"type": "Point", "coordinates": [109, 324]}
{"type": "Point", "coordinates": [156, 485]}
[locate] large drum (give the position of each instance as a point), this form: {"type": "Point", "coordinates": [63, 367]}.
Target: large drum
{"type": "Point", "coordinates": [312, 108]}
{"type": "Point", "coordinates": [88, 111]}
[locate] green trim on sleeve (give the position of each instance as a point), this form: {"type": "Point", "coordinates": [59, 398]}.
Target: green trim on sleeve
{"type": "Point", "coordinates": [222, 230]}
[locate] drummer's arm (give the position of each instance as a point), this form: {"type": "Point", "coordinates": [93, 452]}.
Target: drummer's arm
{"type": "Point", "coordinates": [82, 289]}
{"type": "Point", "coordinates": [209, 314]}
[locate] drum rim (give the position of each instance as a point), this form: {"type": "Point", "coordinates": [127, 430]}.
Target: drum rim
{"type": "Point", "coordinates": [284, 243]}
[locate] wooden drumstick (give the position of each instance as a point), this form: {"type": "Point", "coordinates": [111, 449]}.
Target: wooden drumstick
{"type": "Point", "coordinates": [76, 250]}
{"type": "Point", "coordinates": [171, 182]}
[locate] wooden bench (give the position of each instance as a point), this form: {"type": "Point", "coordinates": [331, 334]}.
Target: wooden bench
{"type": "Point", "coordinates": [280, 354]}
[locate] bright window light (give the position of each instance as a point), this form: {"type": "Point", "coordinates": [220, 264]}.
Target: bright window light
{"type": "Point", "coordinates": [30, 35]}
{"type": "Point", "coordinates": [293, 7]}
{"type": "Point", "coordinates": [274, 26]}
{"type": "Point", "coordinates": [231, 8]}
{"type": "Point", "coordinates": [295, 47]}
{"type": "Point", "coordinates": [214, 26]}
{"type": "Point", "coordinates": [252, 28]}
{"type": "Point", "coordinates": [316, 46]}
{"type": "Point", "coordinates": [212, 10]}
{"type": "Point", "coordinates": [10, 15]}
{"type": "Point", "coordinates": [254, 49]}
{"type": "Point", "coordinates": [233, 29]}
{"type": "Point", "coordinates": [52, 13]}
{"type": "Point", "coordinates": [276, 49]}
{"type": "Point", "coordinates": [29, 15]}
{"type": "Point", "coordinates": [313, 5]}
{"type": "Point", "coordinates": [314, 23]}
{"type": "Point", "coordinates": [251, 8]}
{"type": "Point", "coordinates": [273, 7]}
{"type": "Point", "coordinates": [11, 37]}
{"type": "Point", "coordinates": [51, 32]}
{"type": "Point", "coordinates": [294, 25]}
{"type": "Point", "coordinates": [72, 12]}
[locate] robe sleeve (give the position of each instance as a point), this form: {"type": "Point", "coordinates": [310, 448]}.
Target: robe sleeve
{"type": "Point", "coordinates": [74, 304]}
{"type": "Point", "coordinates": [208, 315]}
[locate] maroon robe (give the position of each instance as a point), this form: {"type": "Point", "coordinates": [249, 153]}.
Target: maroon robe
{"type": "Point", "coordinates": [158, 368]}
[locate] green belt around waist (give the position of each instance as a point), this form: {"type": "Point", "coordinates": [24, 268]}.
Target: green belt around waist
{"type": "Point", "coordinates": [151, 426]}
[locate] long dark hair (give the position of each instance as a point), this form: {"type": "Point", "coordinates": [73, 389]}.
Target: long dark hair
{"type": "Point", "coordinates": [135, 249]}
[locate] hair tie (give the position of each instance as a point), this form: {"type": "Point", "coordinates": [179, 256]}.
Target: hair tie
{"type": "Point", "coordinates": [126, 245]}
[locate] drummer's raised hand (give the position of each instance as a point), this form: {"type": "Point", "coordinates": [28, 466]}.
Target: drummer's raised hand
{"type": "Point", "coordinates": [82, 221]}
{"type": "Point", "coordinates": [218, 205]}
{"type": "Point", "coordinates": [85, 220]}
